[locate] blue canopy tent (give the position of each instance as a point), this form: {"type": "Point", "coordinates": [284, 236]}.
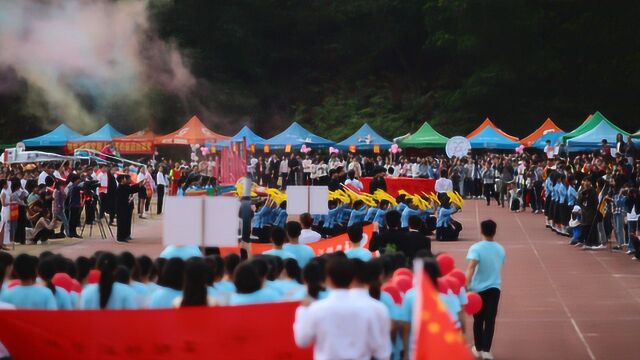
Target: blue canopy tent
{"type": "Point", "coordinates": [295, 135]}
{"type": "Point", "coordinates": [244, 133]}
{"type": "Point", "coordinates": [592, 139]}
{"type": "Point", "coordinates": [492, 138]}
{"type": "Point", "coordinates": [58, 137]}
{"type": "Point", "coordinates": [554, 136]}
{"type": "Point", "coordinates": [105, 133]}
{"type": "Point", "coordinates": [364, 139]}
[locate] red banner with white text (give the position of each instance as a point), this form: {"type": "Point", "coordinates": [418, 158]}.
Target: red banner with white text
{"type": "Point", "coordinates": [236, 332]}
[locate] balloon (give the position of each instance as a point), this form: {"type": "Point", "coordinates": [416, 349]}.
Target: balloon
{"type": "Point", "coordinates": [403, 283]}
{"type": "Point", "coordinates": [446, 263]}
{"type": "Point", "coordinates": [63, 280]}
{"type": "Point", "coordinates": [443, 286]}
{"type": "Point", "coordinates": [93, 277]}
{"type": "Point", "coordinates": [403, 271]}
{"type": "Point", "coordinates": [394, 148]}
{"type": "Point", "coordinates": [77, 288]}
{"type": "Point", "coordinates": [459, 274]}
{"type": "Point", "coordinates": [333, 150]}
{"type": "Point", "coordinates": [304, 149]}
{"type": "Point", "coordinates": [393, 290]}
{"type": "Point", "coordinates": [453, 284]}
{"type": "Point", "coordinates": [474, 303]}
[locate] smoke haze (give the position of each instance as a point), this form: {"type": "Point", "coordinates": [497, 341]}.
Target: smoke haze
{"type": "Point", "coordinates": [86, 56]}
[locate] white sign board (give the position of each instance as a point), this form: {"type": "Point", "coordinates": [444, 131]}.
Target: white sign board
{"type": "Point", "coordinates": [318, 200]}
{"type": "Point", "coordinates": [297, 200]}
{"type": "Point", "coordinates": [182, 223]}
{"type": "Point", "coordinates": [458, 146]}
{"type": "Point", "coordinates": [221, 221]}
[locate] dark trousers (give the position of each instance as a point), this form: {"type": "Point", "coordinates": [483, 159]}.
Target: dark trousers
{"type": "Point", "coordinates": [488, 192]}
{"type": "Point", "coordinates": [484, 321]}
{"type": "Point", "coordinates": [74, 220]}
{"type": "Point", "coordinates": [123, 221]}
{"type": "Point", "coordinates": [449, 233]}
{"type": "Point", "coordinates": [590, 234]}
{"type": "Point", "coordinates": [103, 204]}
{"type": "Point", "coordinates": [160, 191]}
{"type": "Point", "coordinates": [89, 212]}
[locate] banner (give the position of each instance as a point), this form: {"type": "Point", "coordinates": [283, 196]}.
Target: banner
{"type": "Point", "coordinates": [123, 147]}
{"type": "Point", "coordinates": [189, 333]}
{"type": "Point", "coordinates": [325, 246]}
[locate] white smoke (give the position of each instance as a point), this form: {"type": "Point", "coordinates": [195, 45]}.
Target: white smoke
{"type": "Point", "coordinates": [84, 54]}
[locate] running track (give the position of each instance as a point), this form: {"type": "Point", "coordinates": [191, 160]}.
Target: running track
{"type": "Point", "coordinates": [558, 302]}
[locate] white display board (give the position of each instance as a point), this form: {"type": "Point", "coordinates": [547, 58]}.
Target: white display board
{"type": "Point", "coordinates": [318, 200]}
{"type": "Point", "coordinates": [183, 217]}
{"type": "Point", "coordinates": [221, 221]}
{"type": "Point", "coordinates": [297, 200]}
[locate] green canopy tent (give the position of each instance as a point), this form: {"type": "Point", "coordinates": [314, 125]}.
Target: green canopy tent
{"type": "Point", "coordinates": [589, 124]}
{"type": "Point", "coordinates": [425, 137]}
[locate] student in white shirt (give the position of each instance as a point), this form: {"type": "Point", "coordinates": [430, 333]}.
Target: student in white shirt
{"type": "Point", "coordinates": [353, 180]}
{"type": "Point", "coordinates": [307, 236]}
{"type": "Point", "coordinates": [161, 184]}
{"type": "Point", "coordinates": [340, 327]}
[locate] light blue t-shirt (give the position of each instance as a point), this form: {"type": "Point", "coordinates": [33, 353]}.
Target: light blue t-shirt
{"type": "Point", "coordinates": [280, 253]}
{"type": "Point", "coordinates": [122, 297]}
{"type": "Point", "coordinates": [225, 285]}
{"type": "Point", "coordinates": [287, 288]}
{"type": "Point", "coordinates": [264, 295]}
{"type": "Point", "coordinates": [358, 253]}
{"type": "Point", "coordinates": [30, 297]}
{"type": "Point", "coordinates": [163, 298]}
{"type": "Point", "coordinates": [183, 252]}
{"type": "Point", "coordinates": [490, 256]}
{"type": "Point", "coordinates": [142, 293]}
{"type": "Point", "coordinates": [302, 253]}
{"type": "Point", "coordinates": [63, 299]}
{"type": "Point", "coordinates": [302, 293]}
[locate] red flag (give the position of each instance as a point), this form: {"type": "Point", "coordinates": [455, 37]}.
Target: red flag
{"type": "Point", "coordinates": [436, 337]}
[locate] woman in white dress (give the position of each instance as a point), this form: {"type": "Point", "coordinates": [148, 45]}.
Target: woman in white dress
{"type": "Point", "coordinates": [5, 214]}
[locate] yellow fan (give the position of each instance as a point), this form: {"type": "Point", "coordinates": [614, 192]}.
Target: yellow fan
{"type": "Point", "coordinates": [455, 198]}
{"type": "Point", "coordinates": [433, 197]}
{"type": "Point", "coordinates": [383, 195]}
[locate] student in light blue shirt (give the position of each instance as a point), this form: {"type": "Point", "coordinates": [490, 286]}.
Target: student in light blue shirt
{"type": "Point", "coordinates": [313, 276]}
{"type": "Point", "coordinates": [380, 214]}
{"type": "Point", "coordinates": [357, 252]}
{"type": "Point", "coordinates": [46, 271]}
{"type": "Point", "coordinates": [171, 281]}
{"type": "Point", "coordinates": [279, 279]}
{"type": "Point", "coordinates": [183, 252]}
{"type": "Point", "coordinates": [249, 287]}
{"type": "Point", "coordinates": [281, 215]}
{"type": "Point", "coordinates": [278, 235]}
{"type": "Point", "coordinates": [28, 295]}
{"type": "Point", "coordinates": [108, 294]}
{"type": "Point", "coordinates": [371, 214]}
{"type": "Point", "coordinates": [407, 213]}
{"type": "Point", "coordinates": [301, 253]}
{"type": "Point", "coordinates": [358, 213]}
{"type": "Point", "coordinates": [486, 259]}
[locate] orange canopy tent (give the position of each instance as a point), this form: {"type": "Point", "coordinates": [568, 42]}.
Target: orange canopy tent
{"type": "Point", "coordinates": [141, 142]}
{"type": "Point", "coordinates": [546, 127]}
{"type": "Point", "coordinates": [193, 132]}
{"type": "Point", "coordinates": [488, 123]}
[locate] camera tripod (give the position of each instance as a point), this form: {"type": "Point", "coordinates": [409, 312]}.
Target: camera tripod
{"type": "Point", "coordinates": [100, 222]}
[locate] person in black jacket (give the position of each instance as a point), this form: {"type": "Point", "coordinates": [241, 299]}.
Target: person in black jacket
{"type": "Point", "coordinates": [393, 237]}
{"type": "Point", "coordinates": [110, 195]}
{"type": "Point", "coordinates": [124, 206]}
{"type": "Point", "coordinates": [378, 181]}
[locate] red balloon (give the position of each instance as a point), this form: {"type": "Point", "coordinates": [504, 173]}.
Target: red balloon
{"type": "Point", "coordinates": [63, 280]}
{"type": "Point", "coordinates": [12, 283]}
{"type": "Point", "coordinates": [446, 263]}
{"type": "Point", "coordinates": [443, 286]}
{"type": "Point", "coordinates": [453, 284]}
{"type": "Point", "coordinates": [474, 303]}
{"type": "Point", "coordinates": [77, 287]}
{"type": "Point", "coordinates": [93, 277]}
{"type": "Point", "coordinates": [403, 283]}
{"type": "Point", "coordinates": [393, 290]}
{"type": "Point", "coordinates": [403, 271]}
{"type": "Point", "coordinates": [460, 275]}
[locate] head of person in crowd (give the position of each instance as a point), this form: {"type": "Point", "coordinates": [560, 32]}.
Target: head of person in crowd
{"type": "Point", "coordinates": [215, 271]}
{"type": "Point", "coordinates": [106, 264]}
{"type": "Point", "coordinates": [488, 229]}
{"type": "Point", "coordinates": [195, 283]}
{"type": "Point", "coordinates": [340, 272]}
{"type": "Point", "coordinates": [314, 276]}
{"type": "Point", "coordinates": [6, 266]}
{"type": "Point", "coordinates": [291, 270]}
{"type": "Point", "coordinates": [306, 221]}
{"type": "Point", "coordinates": [278, 236]}
{"type": "Point", "coordinates": [24, 268]}
{"type": "Point", "coordinates": [231, 262]}
{"type": "Point", "coordinates": [393, 219]}
{"type": "Point", "coordinates": [355, 234]}
{"type": "Point", "coordinates": [293, 229]}
{"type": "Point", "coordinates": [172, 274]}
{"type": "Point", "coordinates": [246, 278]}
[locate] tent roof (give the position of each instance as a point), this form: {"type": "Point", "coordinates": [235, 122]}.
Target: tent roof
{"type": "Point", "coordinates": [589, 124]}
{"type": "Point", "coordinates": [295, 135]}
{"type": "Point", "coordinates": [547, 126]}
{"type": "Point", "coordinates": [105, 133]}
{"type": "Point", "coordinates": [592, 139]}
{"type": "Point", "coordinates": [56, 137]}
{"type": "Point", "coordinates": [636, 134]}
{"type": "Point", "coordinates": [488, 123]}
{"type": "Point", "coordinates": [425, 137]}
{"type": "Point", "coordinates": [554, 137]}
{"type": "Point", "coordinates": [364, 139]}
{"type": "Point", "coordinates": [246, 133]}
{"type": "Point", "coordinates": [490, 138]}
{"type": "Point", "coordinates": [142, 135]}
{"type": "Point", "coordinates": [191, 133]}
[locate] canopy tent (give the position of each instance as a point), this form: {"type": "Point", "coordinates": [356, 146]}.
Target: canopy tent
{"type": "Point", "coordinates": [554, 137]}
{"type": "Point", "coordinates": [488, 136]}
{"type": "Point", "coordinates": [58, 137]}
{"type": "Point", "coordinates": [140, 142]}
{"type": "Point", "coordinates": [96, 140]}
{"type": "Point", "coordinates": [191, 133]}
{"type": "Point", "coordinates": [244, 133]}
{"type": "Point", "coordinates": [592, 139]}
{"type": "Point", "coordinates": [425, 137]}
{"type": "Point", "coordinates": [364, 139]}
{"type": "Point", "coordinates": [636, 134]}
{"type": "Point", "coordinates": [548, 126]}
{"type": "Point", "coordinates": [295, 136]}
{"type": "Point", "coordinates": [589, 124]}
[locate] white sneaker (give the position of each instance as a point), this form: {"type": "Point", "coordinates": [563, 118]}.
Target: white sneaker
{"type": "Point", "coordinates": [486, 355]}
{"type": "Point", "coordinates": [476, 354]}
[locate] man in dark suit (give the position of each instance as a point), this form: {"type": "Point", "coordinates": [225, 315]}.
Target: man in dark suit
{"type": "Point", "coordinates": [124, 206]}
{"type": "Point", "coordinates": [378, 181]}
{"type": "Point", "coordinates": [110, 196]}
{"type": "Point", "coordinates": [415, 239]}
{"type": "Point", "coordinates": [391, 237]}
